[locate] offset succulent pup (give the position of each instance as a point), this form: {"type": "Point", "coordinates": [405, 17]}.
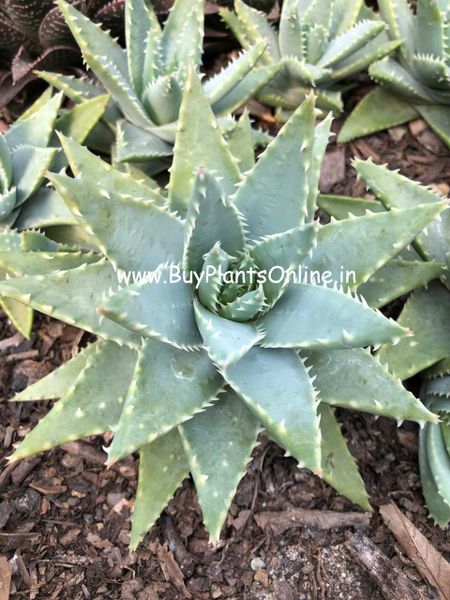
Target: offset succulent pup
{"type": "Point", "coordinates": [187, 373]}
{"type": "Point", "coordinates": [27, 150]}
{"type": "Point", "coordinates": [146, 80]}
{"type": "Point", "coordinates": [413, 83]}
{"type": "Point", "coordinates": [320, 44]}
{"type": "Point", "coordinates": [422, 270]}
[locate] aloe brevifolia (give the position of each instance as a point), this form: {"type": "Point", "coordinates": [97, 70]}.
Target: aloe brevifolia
{"type": "Point", "coordinates": [416, 81]}
{"type": "Point", "coordinates": [199, 368]}
{"type": "Point", "coordinates": [27, 150]}
{"type": "Point", "coordinates": [320, 43]}
{"type": "Point", "coordinates": [146, 80]}
{"type": "Point", "coordinates": [422, 270]}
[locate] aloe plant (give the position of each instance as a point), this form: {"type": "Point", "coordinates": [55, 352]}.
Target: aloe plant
{"type": "Point", "coordinates": [422, 270]}
{"type": "Point", "coordinates": [415, 82]}
{"type": "Point", "coordinates": [146, 81]}
{"type": "Point", "coordinates": [27, 150]}
{"type": "Point", "coordinates": [199, 367]}
{"type": "Point", "coordinates": [320, 44]}
{"type": "Point", "coordinates": [33, 36]}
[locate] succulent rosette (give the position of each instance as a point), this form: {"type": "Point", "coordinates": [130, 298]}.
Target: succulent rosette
{"type": "Point", "coordinates": [146, 79]}
{"type": "Point", "coordinates": [187, 369]}
{"type": "Point", "coordinates": [319, 44]}
{"type": "Point", "coordinates": [413, 82]}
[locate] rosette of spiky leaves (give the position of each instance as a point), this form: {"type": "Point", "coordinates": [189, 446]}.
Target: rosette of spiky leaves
{"type": "Point", "coordinates": [33, 35]}
{"type": "Point", "coordinates": [416, 81]}
{"type": "Point", "coordinates": [146, 80]}
{"type": "Point", "coordinates": [422, 270]}
{"type": "Point", "coordinates": [282, 353]}
{"type": "Point", "coordinates": [27, 150]}
{"type": "Point", "coordinates": [320, 44]}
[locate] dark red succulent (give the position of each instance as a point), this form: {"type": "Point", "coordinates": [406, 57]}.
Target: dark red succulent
{"type": "Point", "coordinates": [33, 35]}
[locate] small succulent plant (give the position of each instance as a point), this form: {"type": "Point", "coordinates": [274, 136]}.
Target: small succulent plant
{"type": "Point", "coordinates": [422, 270]}
{"type": "Point", "coordinates": [416, 81]}
{"type": "Point", "coordinates": [199, 363]}
{"type": "Point", "coordinates": [27, 150]}
{"type": "Point", "coordinates": [25, 156]}
{"type": "Point", "coordinates": [33, 35]}
{"type": "Point", "coordinates": [146, 81]}
{"type": "Point", "coordinates": [320, 44]}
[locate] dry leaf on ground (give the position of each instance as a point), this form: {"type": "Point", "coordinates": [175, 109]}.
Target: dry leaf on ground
{"type": "Point", "coordinates": [428, 561]}
{"type": "Point", "coordinates": [5, 578]}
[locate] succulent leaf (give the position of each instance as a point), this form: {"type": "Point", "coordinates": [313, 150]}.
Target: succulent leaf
{"type": "Point", "coordinates": [353, 379]}
{"type": "Point", "coordinates": [21, 316]}
{"type": "Point", "coordinates": [162, 468]}
{"type": "Point", "coordinates": [140, 253]}
{"type": "Point", "coordinates": [240, 143]}
{"type": "Point", "coordinates": [169, 387]}
{"type": "Point", "coordinates": [216, 263]}
{"type": "Point", "coordinates": [367, 117]}
{"type": "Point", "coordinates": [222, 83]}
{"type": "Point", "coordinates": [296, 322]}
{"type": "Point", "coordinates": [439, 462]}
{"type": "Point", "coordinates": [71, 296]}
{"type": "Point", "coordinates": [348, 42]}
{"type": "Point", "coordinates": [218, 444]}
{"type": "Point", "coordinates": [133, 144]}
{"type": "Point", "coordinates": [290, 155]}
{"type": "Point", "coordinates": [334, 253]}
{"type": "Point", "coordinates": [426, 314]}
{"type": "Point", "coordinates": [430, 36]}
{"type": "Point", "coordinates": [108, 61]}
{"type": "Point", "coordinates": [285, 404]}
{"type": "Point", "coordinates": [138, 307]}
{"type": "Point", "coordinates": [182, 37]}
{"type": "Point", "coordinates": [397, 278]}
{"type": "Point", "coordinates": [436, 504]}
{"type": "Point", "coordinates": [438, 118]}
{"type": "Point", "coordinates": [246, 89]}
{"type": "Point", "coordinates": [211, 219]}
{"type": "Point", "coordinates": [257, 28]}
{"type": "Point", "coordinates": [225, 341]}
{"type": "Point", "coordinates": [281, 253]}
{"type": "Point", "coordinates": [342, 207]}
{"type": "Point", "coordinates": [338, 465]}
{"type": "Point", "coordinates": [398, 191]}
{"type": "Point", "coordinates": [139, 21]}
{"type": "Point", "coordinates": [76, 414]}
{"type": "Point", "coordinates": [6, 167]}
{"type": "Point", "coordinates": [57, 383]}
{"type": "Point", "coordinates": [37, 129]}
{"type": "Point", "coordinates": [199, 144]}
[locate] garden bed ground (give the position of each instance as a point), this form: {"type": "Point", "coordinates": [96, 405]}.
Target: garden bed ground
{"type": "Point", "coordinates": [64, 519]}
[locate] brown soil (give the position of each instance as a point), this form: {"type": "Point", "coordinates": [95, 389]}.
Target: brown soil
{"type": "Point", "coordinates": [64, 519]}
